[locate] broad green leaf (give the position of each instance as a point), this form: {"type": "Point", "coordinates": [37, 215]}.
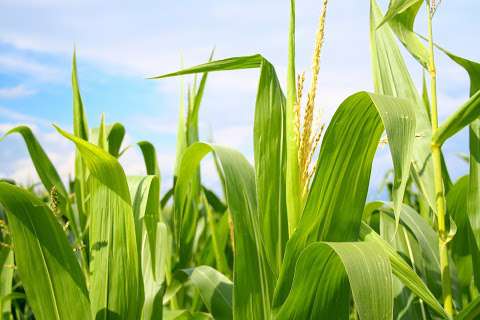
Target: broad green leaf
{"type": "Point", "coordinates": [323, 274]}
{"type": "Point", "coordinates": [50, 273]}
{"type": "Point", "coordinates": [292, 176]}
{"type": "Point", "coordinates": [269, 152]}
{"type": "Point", "coordinates": [339, 188]}
{"type": "Point", "coordinates": [115, 283]}
{"type": "Point", "coordinates": [402, 270]}
{"type": "Point", "coordinates": [391, 77]}
{"type": "Point", "coordinates": [252, 277]}
{"type": "Point", "coordinates": [46, 172]}
{"type": "Point", "coordinates": [465, 115]}
{"type": "Point", "coordinates": [150, 157]}
{"type": "Point", "coordinates": [215, 290]}
{"type": "Point", "coordinates": [473, 199]}
{"type": "Point", "coordinates": [426, 237]}
{"type": "Point", "coordinates": [153, 272]}
{"type": "Point", "coordinates": [464, 249]}
{"type": "Point", "coordinates": [145, 197]}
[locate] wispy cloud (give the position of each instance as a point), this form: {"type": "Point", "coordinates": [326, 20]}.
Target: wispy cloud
{"type": "Point", "coordinates": [17, 91]}
{"type": "Point", "coordinates": [24, 66]}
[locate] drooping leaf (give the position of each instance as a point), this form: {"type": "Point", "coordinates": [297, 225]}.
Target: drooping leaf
{"type": "Point", "coordinates": [323, 275]}
{"type": "Point", "coordinates": [252, 277]}
{"type": "Point", "coordinates": [115, 139]}
{"type": "Point", "coordinates": [402, 270]}
{"type": "Point", "coordinates": [46, 171]}
{"type": "Point", "coordinates": [391, 77]}
{"type": "Point", "coordinates": [269, 152]}
{"type": "Point", "coordinates": [215, 290]}
{"type": "Point", "coordinates": [427, 238]}
{"type": "Point", "coordinates": [54, 283]}
{"type": "Point", "coordinates": [115, 283]}
{"type": "Point", "coordinates": [150, 157]}
{"type": "Point", "coordinates": [337, 196]}
{"type": "Point", "coordinates": [396, 7]}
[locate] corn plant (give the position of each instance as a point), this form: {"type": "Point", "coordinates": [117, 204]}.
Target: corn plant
{"type": "Point", "coordinates": [305, 244]}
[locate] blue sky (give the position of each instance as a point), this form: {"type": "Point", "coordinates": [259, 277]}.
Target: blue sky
{"type": "Point", "coordinates": [120, 44]}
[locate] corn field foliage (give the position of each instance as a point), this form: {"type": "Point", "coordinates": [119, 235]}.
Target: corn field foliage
{"type": "Point", "coordinates": [291, 236]}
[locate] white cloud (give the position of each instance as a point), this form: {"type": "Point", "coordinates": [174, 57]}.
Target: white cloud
{"type": "Point", "coordinates": [25, 66]}
{"type": "Point", "coordinates": [17, 91]}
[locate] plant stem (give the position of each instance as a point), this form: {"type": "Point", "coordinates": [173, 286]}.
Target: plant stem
{"type": "Point", "coordinates": [438, 178]}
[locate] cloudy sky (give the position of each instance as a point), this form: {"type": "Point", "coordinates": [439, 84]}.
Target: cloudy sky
{"type": "Point", "coordinates": [120, 44]}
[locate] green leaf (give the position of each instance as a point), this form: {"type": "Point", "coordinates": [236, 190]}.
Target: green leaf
{"type": "Point", "coordinates": [54, 283]}
{"type": "Point", "coordinates": [80, 129]}
{"type": "Point", "coordinates": [323, 275]}
{"type": "Point", "coordinates": [339, 188]}
{"type": "Point", "coordinates": [396, 7]}
{"type": "Point", "coordinates": [471, 311]}
{"type": "Point", "coordinates": [252, 277]}
{"type": "Point", "coordinates": [102, 134]}
{"type": "Point", "coordinates": [115, 138]}
{"type": "Point", "coordinates": [427, 238]}
{"type": "Point", "coordinates": [391, 77]}
{"type": "Point", "coordinates": [402, 270]}
{"type": "Point", "coordinates": [215, 290]}
{"type": "Point", "coordinates": [464, 248]}
{"type": "Point", "coordinates": [402, 24]}
{"type": "Point", "coordinates": [465, 115]}
{"type": "Point", "coordinates": [269, 152]}
{"type": "Point", "coordinates": [115, 283]}
{"type": "Point", "coordinates": [145, 197]}
{"type": "Point", "coordinates": [292, 176]}
{"type": "Point", "coordinates": [154, 272]}
{"type": "Point", "coordinates": [6, 277]}
{"type": "Point", "coordinates": [80, 126]}
{"type": "Point", "coordinates": [46, 172]}
{"type": "Point", "coordinates": [150, 157]}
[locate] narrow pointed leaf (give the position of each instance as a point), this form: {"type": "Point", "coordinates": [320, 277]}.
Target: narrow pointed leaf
{"type": "Point", "coordinates": [465, 115]}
